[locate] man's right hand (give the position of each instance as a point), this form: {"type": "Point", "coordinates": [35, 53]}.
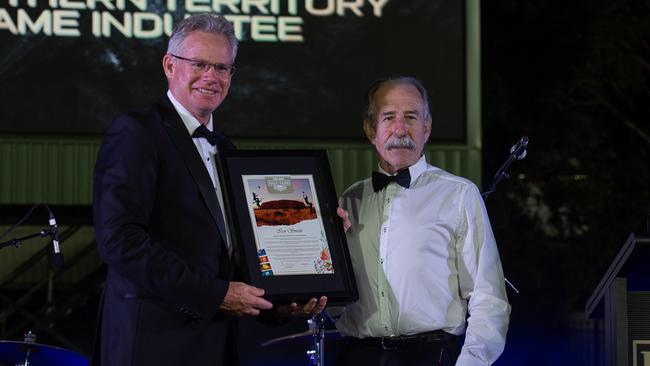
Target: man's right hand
{"type": "Point", "coordinates": [345, 217]}
{"type": "Point", "coordinates": [242, 299]}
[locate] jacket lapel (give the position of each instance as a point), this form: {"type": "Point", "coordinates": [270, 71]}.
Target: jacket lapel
{"type": "Point", "coordinates": [187, 150]}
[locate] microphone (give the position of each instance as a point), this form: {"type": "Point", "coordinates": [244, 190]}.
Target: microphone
{"type": "Point", "coordinates": [57, 257]}
{"type": "Point", "coordinates": [518, 150]}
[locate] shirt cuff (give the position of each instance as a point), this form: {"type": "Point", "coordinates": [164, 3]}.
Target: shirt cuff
{"type": "Point", "coordinates": [465, 359]}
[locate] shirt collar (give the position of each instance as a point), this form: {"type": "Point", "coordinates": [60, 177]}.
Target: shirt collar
{"type": "Point", "coordinates": [190, 122]}
{"type": "Point", "coordinates": [414, 170]}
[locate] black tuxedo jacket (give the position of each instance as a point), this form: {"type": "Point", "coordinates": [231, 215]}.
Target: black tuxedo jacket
{"type": "Point", "coordinates": [161, 232]}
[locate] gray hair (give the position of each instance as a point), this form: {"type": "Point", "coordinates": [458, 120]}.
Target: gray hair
{"type": "Point", "coordinates": [203, 23]}
{"type": "Point", "coordinates": [371, 112]}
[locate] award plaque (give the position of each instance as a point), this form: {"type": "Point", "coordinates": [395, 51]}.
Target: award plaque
{"type": "Point", "coordinates": [282, 216]}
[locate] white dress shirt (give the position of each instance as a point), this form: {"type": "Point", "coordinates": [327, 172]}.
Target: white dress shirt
{"type": "Point", "coordinates": [206, 151]}
{"type": "Point", "coordinates": [423, 257]}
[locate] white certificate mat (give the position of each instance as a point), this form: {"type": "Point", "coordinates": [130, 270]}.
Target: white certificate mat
{"type": "Point", "coordinates": [288, 225]}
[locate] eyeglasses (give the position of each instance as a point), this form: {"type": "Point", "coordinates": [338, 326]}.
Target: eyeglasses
{"type": "Point", "coordinates": [198, 66]}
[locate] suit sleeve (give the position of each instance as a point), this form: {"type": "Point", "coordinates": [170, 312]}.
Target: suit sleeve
{"type": "Point", "coordinates": [124, 199]}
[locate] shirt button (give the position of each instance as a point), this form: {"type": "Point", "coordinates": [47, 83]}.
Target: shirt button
{"type": "Point", "coordinates": [382, 294]}
{"type": "Point", "coordinates": [384, 229]}
{"type": "Point", "coordinates": [381, 261]}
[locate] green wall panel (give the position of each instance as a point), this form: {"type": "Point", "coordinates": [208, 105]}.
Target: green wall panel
{"type": "Point", "coordinates": [46, 169]}
{"type": "Point", "coordinates": [37, 169]}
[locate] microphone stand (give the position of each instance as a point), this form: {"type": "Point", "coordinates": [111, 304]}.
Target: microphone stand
{"type": "Point", "coordinates": [18, 242]}
{"type": "Point", "coordinates": [517, 152]}
{"type": "Point", "coordinates": [316, 353]}
{"type": "Point", "coordinates": [52, 232]}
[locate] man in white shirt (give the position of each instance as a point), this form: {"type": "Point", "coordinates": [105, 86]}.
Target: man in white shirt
{"type": "Point", "coordinates": [422, 249]}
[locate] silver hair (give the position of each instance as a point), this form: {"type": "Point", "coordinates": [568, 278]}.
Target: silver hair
{"type": "Point", "coordinates": [371, 112]}
{"type": "Point", "coordinates": [204, 23]}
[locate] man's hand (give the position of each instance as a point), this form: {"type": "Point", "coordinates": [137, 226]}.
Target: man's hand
{"type": "Point", "coordinates": [345, 217]}
{"type": "Point", "coordinates": [312, 307]}
{"type": "Point", "coordinates": [242, 299]}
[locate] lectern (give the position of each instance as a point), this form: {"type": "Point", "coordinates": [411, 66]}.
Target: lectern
{"type": "Point", "coordinates": [623, 298]}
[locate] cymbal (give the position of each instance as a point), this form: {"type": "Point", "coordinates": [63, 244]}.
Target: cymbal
{"type": "Point", "coordinates": [305, 337]}
{"type": "Point", "coordinates": [16, 353]}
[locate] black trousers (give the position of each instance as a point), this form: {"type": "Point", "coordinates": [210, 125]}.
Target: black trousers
{"type": "Point", "coordinates": [436, 353]}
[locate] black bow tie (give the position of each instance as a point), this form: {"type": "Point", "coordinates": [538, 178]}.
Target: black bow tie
{"type": "Point", "coordinates": [380, 181]}
{"type": "Point", "coordinates": [215, 137]}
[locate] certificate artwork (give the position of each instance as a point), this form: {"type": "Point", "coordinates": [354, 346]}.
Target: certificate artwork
{"type": "Point", "coordinates": [288, 226]}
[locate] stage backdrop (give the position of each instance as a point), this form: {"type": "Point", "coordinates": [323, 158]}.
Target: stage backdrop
{"type": "Point", "coordinates": [68, 66]}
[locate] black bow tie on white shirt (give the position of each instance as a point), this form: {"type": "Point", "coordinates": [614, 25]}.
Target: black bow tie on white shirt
{"type": "Point", "coordinates": [380, 181]}
{"type": "Point", "coordinates": [214, 137]}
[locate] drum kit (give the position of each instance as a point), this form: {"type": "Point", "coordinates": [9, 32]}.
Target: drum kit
{"type": "Point", "coordinates": [30, 353]}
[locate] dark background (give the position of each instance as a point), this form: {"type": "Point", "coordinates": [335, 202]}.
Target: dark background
{"type": "Point", "coordinates": [574, 78]}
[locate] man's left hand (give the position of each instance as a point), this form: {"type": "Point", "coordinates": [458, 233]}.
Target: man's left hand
{"type": "Point", "coordinates": [312, 307]}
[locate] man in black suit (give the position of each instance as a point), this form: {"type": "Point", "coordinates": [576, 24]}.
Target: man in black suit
{"type": "Point", "coordinates": [160, 226]}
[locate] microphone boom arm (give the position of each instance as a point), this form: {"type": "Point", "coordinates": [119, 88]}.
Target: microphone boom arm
{"type": "Point", "coordinates": [517, 152]}
{"type": "Point", "coordinates": [55, 255]}
{"type": "Point", "coordinates": [17, 242]}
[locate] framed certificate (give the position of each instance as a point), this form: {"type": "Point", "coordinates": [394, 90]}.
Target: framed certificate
{"type": "Point", "coordinates": [282, 216]}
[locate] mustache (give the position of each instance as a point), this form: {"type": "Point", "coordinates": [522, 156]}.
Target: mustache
{"type": "Point", "coordinates": [399, 142]}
